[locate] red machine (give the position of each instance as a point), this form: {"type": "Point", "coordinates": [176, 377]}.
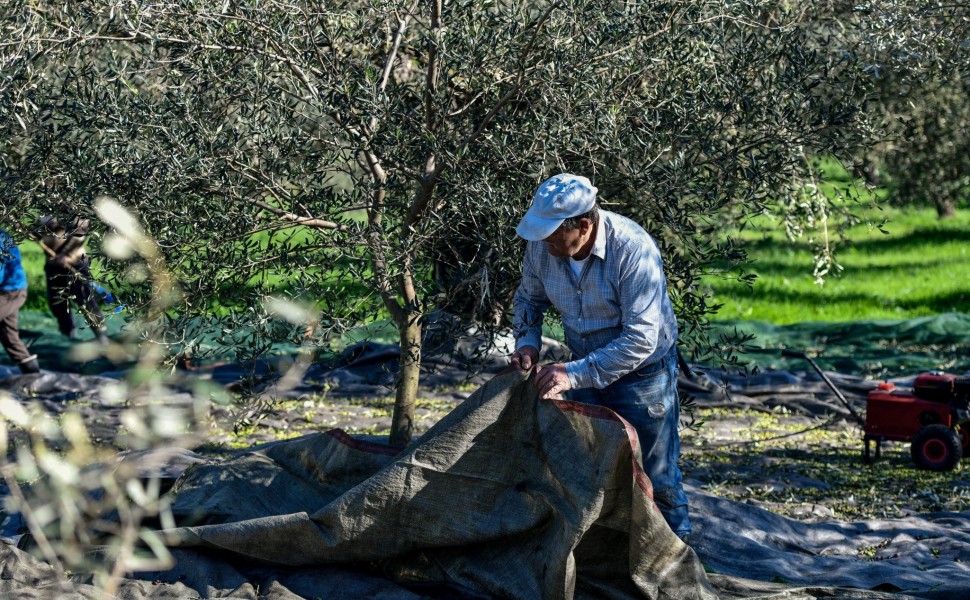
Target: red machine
{"type": "Point", "coordinates": [933, 416]}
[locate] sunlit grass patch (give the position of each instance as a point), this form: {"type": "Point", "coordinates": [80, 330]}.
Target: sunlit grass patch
{"type": "Point", "coordinates": [919, 267]}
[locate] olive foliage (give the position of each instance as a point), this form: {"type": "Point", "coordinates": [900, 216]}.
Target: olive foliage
{"type": "Point", "coordinates": [918, 54]}
{"type": "Point", "coordinates": [928, 158]}
{"type": "Point", "coordinates": [370, 158]}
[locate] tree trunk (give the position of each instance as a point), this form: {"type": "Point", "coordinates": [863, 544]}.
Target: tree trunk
{"type": "Point", "coordinates": [402, 422]}
{"type": "Point", "coordinates": [945, 208]}
{"type": "Point", "coordinates": [868, 170]}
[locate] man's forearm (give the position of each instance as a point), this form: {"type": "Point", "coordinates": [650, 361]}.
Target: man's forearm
{"type": "Point", "coordinates": [526, 332]}
{"type": "Point", "coordinates": [527, 317]}
{"type": "Point", "coordinates": [625, 354]}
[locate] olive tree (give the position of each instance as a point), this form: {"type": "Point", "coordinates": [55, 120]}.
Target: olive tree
{"type": "Point", "coordinates": [928, 159]}
{"type": "Point", "coordinates": [371, 158]}
{"type": "Point", "coordinates": [917, 55]}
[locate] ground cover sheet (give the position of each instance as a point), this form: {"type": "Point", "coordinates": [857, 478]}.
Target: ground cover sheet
{"type": "Point", "coordinates": [749, 552]}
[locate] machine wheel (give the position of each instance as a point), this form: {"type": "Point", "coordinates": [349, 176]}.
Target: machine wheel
{"type": "Point", "coordinates": [963, 432]}
{"type": "Point", "coordinates": [936, 448]}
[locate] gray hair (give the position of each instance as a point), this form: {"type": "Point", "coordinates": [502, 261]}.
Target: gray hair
{"type": "Point", "coordinates": [592, 214]}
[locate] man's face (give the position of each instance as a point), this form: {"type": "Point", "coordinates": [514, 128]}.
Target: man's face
{"type": "Point", "coordinates": [566, 242]}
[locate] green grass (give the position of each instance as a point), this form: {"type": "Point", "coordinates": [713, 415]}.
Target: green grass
{"type": "Point", "coordinates": [33, 260]}
{"type": "Point", "coordinates": [921, 267]}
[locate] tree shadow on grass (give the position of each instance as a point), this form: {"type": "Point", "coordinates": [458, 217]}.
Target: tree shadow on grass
{"type": "Point", "coordinates": [915, 239]}
{"type": "Point", "coordinates": [954, 301]}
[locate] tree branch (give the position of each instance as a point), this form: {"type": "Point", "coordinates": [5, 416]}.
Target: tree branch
{"type": "Point", "coordinates": [431, 77]}
{"type": "Point", "coordinates": [375, 217]}
{"type": "Point", "coordinates": [296, 219]}
{"type": "Point", "coordinates": [391, 56]}
{"type": "Point", "coordinates": [511, 93]}
{"type": "Point", "coordinates": [434, 170]}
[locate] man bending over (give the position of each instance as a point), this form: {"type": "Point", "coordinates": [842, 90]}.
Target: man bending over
{"type": "Point", "coordinates": [603, 273]}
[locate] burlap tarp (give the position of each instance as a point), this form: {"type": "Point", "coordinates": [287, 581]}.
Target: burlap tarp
{"type": "Point", "coordinates": [506, 497]}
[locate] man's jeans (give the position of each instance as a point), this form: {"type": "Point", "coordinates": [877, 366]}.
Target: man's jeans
{"type": "Point", "coordinates": [648, 400]}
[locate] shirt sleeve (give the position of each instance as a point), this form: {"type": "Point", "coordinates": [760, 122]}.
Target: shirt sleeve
{"type": "Point", "coordinates": [529, 305]}
{"type": "Point", "coordinates": [8, 258]}
{"type": "Point", "coordinates": [642, 291]}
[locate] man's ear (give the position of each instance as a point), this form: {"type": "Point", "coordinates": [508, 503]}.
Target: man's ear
{"type": "Point", "coordinates": [585, 225]}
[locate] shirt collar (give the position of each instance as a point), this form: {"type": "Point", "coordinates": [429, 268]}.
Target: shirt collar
{"type": "Point", "coordinates": [599, 246]}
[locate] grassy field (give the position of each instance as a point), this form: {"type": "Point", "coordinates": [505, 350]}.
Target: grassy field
{"type": "Point", "coordinates": [921, 267]}
{"type": "Point", "coordinates": [33, 259]}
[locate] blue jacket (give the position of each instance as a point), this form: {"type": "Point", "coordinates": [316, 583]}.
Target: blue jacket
{"type": "Point", "coordinates": [12, 276]}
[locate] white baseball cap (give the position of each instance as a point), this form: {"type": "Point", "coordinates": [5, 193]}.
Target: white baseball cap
{"type": "Point", "coordinates": [557, 199]}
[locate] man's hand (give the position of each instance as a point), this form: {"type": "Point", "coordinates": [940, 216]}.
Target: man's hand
{"type": "Point", "coordinates": [525, 358]}
{"type": "Point", "coordinates": [552, 381]}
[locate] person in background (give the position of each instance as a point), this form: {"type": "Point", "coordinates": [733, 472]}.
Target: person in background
{"type": "Point", "coordinates": [13, 294]}
{"type": "Point", "coordinates": [69, 276]}
{"type": "Point", "coordinates": [604, 275]}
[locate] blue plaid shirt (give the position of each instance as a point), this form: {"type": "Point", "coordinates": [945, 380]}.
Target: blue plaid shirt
{"type": "Point", "coordinates": [616, 315]}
